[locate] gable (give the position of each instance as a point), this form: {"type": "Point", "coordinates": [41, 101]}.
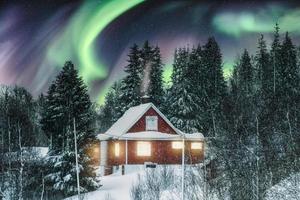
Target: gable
{"type": "Point", "coordinates": [163, 126]}
{"type": "Point", "coordinates": [135, 115]}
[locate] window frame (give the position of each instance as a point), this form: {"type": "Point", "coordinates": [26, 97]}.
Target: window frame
{"type": "Point", "coordinates": [193, 147]}
{"type": "Point", "coordinates": [177, 144]}
{"type": "Point", "coordinates": [117, 149]}
{"type": "Point", "coordinates": [141, 152]}
{"type": "Point", "coordinates": [151, 128]}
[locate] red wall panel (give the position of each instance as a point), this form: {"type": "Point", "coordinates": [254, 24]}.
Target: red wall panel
{"type": "Point", "coordinates": [140, 125]}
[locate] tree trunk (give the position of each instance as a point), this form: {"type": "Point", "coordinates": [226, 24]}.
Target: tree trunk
{"type": "Point", "coordinates": [21, 164]}
{"type": "Point", "coordinates": [76, 159]}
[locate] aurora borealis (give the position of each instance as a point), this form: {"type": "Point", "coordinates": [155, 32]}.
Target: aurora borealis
{"type": "Point", "coordinates": [37, 38]}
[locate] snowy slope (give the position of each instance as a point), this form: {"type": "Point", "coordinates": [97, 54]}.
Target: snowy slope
{"type": "Point", "coordinates": [287, 189]}
{"type": "Point", "coordinates": [115, 186]}
{"type": "Point", "coordinates": [118, 187]}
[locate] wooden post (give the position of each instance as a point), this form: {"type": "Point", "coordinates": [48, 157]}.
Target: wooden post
{"type": "Point", "coordinates": [126, 153]}
{"type": "Point", "coordinates": [76, 159]}
{"type": "Point", "coordinates": [182, 170]}
{"type": "Point", "coordinates": [123, 169]}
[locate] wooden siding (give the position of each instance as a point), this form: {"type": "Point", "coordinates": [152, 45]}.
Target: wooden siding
{"type": "Point", "coordinates": [161, 153]}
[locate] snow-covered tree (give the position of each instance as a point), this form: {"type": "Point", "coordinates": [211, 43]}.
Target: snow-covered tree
{"type": "Point", "coordinates": [131, 84]}
{"type": "Point", "coordinates": [182, 98]}
{"type": "Point", "coordinates": [214, 87]}
{"type": "Point", "coordinates": [156, 91]}
{"type": "Point", "coordinates": [67, 101]}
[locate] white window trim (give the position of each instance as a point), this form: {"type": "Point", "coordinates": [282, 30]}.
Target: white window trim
{"type": "Point", "coordinates": [151, 128]}
{"type": "Point", "coordinates": [143, 149]}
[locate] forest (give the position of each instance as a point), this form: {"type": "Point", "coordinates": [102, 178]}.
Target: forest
{"type": "Point", "coordinates": [251, 120]}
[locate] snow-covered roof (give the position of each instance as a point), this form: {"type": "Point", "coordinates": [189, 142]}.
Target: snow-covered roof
{"type": "Point", "coordinates": [120, 128]}
{"type": "Point", "coordinates": [194, 136]}
{"type": "Point", "coordinates": [150, 135]}
{"type": "Point", "coordinates": [103, 136]}
{"type": "Point", "coordinates": [130, 117]}
{"type": "Point", "coordinates": [155, 135]}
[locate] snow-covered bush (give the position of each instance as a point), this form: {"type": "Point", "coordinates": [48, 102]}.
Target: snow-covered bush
{"type": "Point", "coordinates": [164, 183]}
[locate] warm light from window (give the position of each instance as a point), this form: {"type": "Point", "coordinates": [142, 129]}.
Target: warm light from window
{"type": "Point", "coordinates": [197, 145]}
{"type": "Point", "coordinates": [117, 149]}
{"type": "Point", "coordinates": [96, 150]}
{"type": "Point", "coordinates": [144, 149]}
{"type": "Point", "coordinates": [177, 145]}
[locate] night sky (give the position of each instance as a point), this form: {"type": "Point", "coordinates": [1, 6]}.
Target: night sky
{"type": "Point", "coordinates": [37, 37]}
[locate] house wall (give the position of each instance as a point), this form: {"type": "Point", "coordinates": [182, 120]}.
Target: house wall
{"type": "Point", "coordinates": [161, 153]}
{"type": "Point", "coordinates": [140, 125]}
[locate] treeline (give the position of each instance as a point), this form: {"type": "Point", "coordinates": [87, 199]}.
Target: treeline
{"type": "Point", "coordinates": [251, 121]}
{"type": "Point", "coordinates": [50, 121]}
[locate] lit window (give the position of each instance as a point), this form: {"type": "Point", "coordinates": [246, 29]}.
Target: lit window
{"type": "Point", "coordinates": [197, 145]}
{"type": "Point", "coordinates": [151, 123]}
{"type": "Point", "coordinates": [144, 149]}
{"type": "Point", "coordinates": [117, 149]}
{"type": "Point", "coordinates": [96, 150]}
{"type": "Point", "coordinates": [177, 145]}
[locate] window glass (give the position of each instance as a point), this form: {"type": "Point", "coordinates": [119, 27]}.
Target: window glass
{"type": "Point", "coordinates": [177, 145]}
{"type": "Point", "coordinates": [144, 149]}
{"type": "Point", "coordinates": [117, 149]}
{"type": "Point", "coordinates": [196, 145]}
{"type": "Point", "coordinates": [151, 123]}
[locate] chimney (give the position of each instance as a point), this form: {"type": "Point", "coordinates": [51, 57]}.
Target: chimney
{"type": "Point", "coordinates": [146, 99]}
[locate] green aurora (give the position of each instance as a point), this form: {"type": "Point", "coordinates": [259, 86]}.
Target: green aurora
{"type": "Point", "coordinates": [77, 40]}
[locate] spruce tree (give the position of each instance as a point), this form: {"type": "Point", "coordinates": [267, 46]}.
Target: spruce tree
{"type": "Point", "coordinates": [275, 57]}
{"type": "Point", "coordinates": [68, 102]}
{"type": "Point", "coordinates": [156, 91]}
{"type": "Point", "coordinates": [112, 109]}
{"type": "Point", "coordinates": [214, 87]}
{"type": "Point", "coordinates": [264, 74]}
{"type": "Point", "coordinates": [288, 72]}
{"type": "Point", "coordinates": [131, 84]}
{"type": "Point", "coordinates": [183, 102]}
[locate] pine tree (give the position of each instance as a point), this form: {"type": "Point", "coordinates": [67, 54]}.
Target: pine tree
{"type": "Point", "coordinates": [214, 87]}
{"type": "Point", "coordinates": [112, 109]}
{"type": "Point", "coordinates": [156, 91]}
{"type": "Point", "coordinates": [67, 101]}
{"type": "Point", "coordinates": [275, 58]}
{"type": "Point", "coordinates": [264, 75]}
{"type": "Point", "coordinates": [242, 133]}
{"type": "Point", "coordinates": [288, 72]}
{"type": "Point", "coordinates": [131, 84]}
{"type": "Point", "coordinates": [183, 102]}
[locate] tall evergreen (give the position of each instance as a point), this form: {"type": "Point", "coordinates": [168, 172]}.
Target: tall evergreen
{"type": "Point", "coordinates": [264, 74]}
{"type": "Point", "coordinates": [112, 109]}
{"type": "Point", "coordinates": [68, 102]}
{"type": "Point", "coordinates": [288, 72]}
{"type": "Point", "coordinates": [183, 102]}
{"type": "Point", "coordinates": [214, 87]}
{"type": "Point", "coordinates": [132, 82]}
{"type": "Point", "coordinates": [275, 57]}
{"type": "Point", "coordinates": [156, 91]}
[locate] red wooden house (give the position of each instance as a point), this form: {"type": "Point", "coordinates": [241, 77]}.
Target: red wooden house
{"type": "Point", "coordinates": [144, 134]}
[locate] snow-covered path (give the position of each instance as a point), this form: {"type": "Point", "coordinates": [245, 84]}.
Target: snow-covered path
{"type": "Point", "coordinates": [115, 186]}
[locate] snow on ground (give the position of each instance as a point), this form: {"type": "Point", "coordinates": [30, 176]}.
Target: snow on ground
{"type": "Point", "coordinates": [118, 187]}
{"type": "Point", "coordinates": [287, 189]}
{"type": "Point", "coordinates": [115, 186]}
